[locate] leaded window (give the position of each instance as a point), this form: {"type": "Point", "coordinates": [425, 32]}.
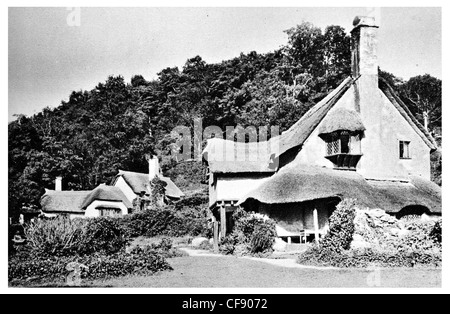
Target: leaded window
{"type": "Point", "coordinates": [343, 148]}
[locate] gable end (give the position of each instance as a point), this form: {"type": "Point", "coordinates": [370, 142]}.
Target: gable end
{"type": "Point", "coordinates": [389, 92]}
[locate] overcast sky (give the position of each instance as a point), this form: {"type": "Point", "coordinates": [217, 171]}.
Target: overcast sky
{"type": "Point", "coordinates": [48, 58]}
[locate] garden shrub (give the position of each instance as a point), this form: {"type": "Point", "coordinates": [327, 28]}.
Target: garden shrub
{"type": "Point", "coordinates": [102, 235]}
{"type": "Point", "coordinates": [63, 236]}
{"type": "Point", "coordinates": [263, 238]}
{"type": "Point", "coordinates": [164, 247]}
{"type": "Point", "coordinates": [191, 222]}
{"type": "Point", "coordinates": [227, 244]}
{"type": "Point", "coordinates": [58, 236]}
{"type": "Point", "coordinates": [197, 201]}
{"type": "Point", "coordinates": [341, 227]}
{"type": "Point", "coordinates": [418, 247]}
{"type": "Point", "coordinates": [251, 234]}
{"type": "Point", "coordinates": [368, 257]}
{"type": "Point", "coordinates": [165, 221]}
{"type": "Point", "coordinates": [436, 232]}
{"type": "Point", "coordinates": [150, 222]}
{"type": "Point", "coordinates": [139, 261]}
{"type": "Point", "coordinates": [51, 267]}
{"type": "Point", "coordinates": [418, 239]}
{"type": "Point", "coordinates": [205, 245]}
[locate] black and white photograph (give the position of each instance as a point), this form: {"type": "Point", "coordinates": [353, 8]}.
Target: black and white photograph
{"type": "Point", "coordinates": [228, 147]}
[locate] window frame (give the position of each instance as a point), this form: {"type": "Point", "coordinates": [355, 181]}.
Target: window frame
{"type": "Point", "coordinates": [334, 144]}
{"type": "Point", "coordinates": [401, 149]}
{"type": "Point", "coordinates": [345, 140]}
{"type": "Point", "coordinates": [109, 212]}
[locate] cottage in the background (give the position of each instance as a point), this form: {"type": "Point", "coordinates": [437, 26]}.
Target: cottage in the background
{"type": "Point", "coordinates": [360, 141]}
{"type": "Point", "coordinates": [136, 184]}
{"type": "Point", "coordinates": [102, 201]}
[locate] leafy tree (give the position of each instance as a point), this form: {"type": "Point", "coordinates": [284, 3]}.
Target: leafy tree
{"type": "Point", "coordinates": [423, 94]}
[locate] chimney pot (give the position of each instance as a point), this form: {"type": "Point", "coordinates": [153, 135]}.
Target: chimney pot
{"type": "Point", "coordinates": [364, 21]}
{"type": "Point", "coordinates": [58, 184]}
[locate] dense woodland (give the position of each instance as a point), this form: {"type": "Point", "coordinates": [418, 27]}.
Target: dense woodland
{"type": "Point", "coordinates": [89, 137]}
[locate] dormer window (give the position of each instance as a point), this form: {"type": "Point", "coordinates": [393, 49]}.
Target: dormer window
{"type": "Point", "coordinates": [342, 131]}
{"type": "Point", "coordinates": [343, 142]}
{"type": "Point", "coordinates": [343, 149]}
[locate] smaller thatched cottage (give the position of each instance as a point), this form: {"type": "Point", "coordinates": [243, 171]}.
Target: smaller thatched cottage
{"type": "Point", "coordinates": [136, 184]}
{"type": "Point", "coordinates": [102, 201]}
{"type": "Point", "coordinates": [360, 142]}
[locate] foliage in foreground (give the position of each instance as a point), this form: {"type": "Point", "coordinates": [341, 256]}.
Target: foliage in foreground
{"type": "Point", "coordinates": [98, 265]}
{"type": "Point", "coordinates": [369, 257]}
{"type": "Point", "coordinates": [341, 227]}
{"type": "Point", "coordinates": [147, 260]}
{"type": "Point", "coordinates": [98, 243]}
{"type": "Point", "coordinates": [62, 236]}
{"type": "Point", "coordinates": [252, 234]}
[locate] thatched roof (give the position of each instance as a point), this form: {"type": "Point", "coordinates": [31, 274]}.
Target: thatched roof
{"type": "Point", "coordinates": [297, 134]}
{"type": "Point", "coordinates": [300, 183]}
{"type": "Point", "coordinates": [63, 201]}
{"type": "Point", "coordinates": [393, 196]}
{"type": "Point", "coordinates": [341, 119]}
{"type": "Point", "coordinates": [106, 193]}
{"type": "Point", "coordinates": [406, 113]}
{"type": "Point", "coordinates": [220, 154]}
{"type": "Point", "coordinates": [171, 189]}
{"type": "Point", "coordinates": [225, 156]}
{"type": "Point", "coordinates": [139, 182]}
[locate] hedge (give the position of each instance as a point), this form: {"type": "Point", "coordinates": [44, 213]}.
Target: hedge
{"type": "Point", "coordinates": [165, 222]}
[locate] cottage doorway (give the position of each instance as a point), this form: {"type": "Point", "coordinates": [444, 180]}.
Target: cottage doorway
{"type": "Point", "coordinates": [412, 212]}
{"type": "Point", "coordinates": [330, 205]}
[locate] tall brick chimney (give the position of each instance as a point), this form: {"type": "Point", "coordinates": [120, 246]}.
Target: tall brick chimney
{"type": "Point", "coordinates": [58, 184]}
{"type": "Point", "coordinates": [365, 58]}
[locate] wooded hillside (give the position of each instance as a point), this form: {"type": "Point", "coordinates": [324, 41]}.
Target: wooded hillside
{"type": "Point", "coordinates": [96, 132]}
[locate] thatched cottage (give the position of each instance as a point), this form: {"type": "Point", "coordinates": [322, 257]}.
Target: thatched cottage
{"type": "Point", "coordinates": [104, 200]}
{"type": "Point", "coordinates": [107, 200]}
{"type": "Point", "coordinates": [136, 184]}
{"type": "Point", "coordinates": [360, 141]}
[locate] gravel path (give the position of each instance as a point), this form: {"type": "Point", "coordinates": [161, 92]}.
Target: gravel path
{"type": "Point", "coordinates": [282, 262]}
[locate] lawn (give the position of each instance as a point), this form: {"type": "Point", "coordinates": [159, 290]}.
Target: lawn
{"type": "Point", "coordinates": [227, 271]}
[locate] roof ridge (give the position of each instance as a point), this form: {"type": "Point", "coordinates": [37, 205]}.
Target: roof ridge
{"type": "Point", "coordinates": [325, 105]}
{"type": "Point", "coordinates": [396, 100]}
{"type": "Point", "coordinates": [324, 100]}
